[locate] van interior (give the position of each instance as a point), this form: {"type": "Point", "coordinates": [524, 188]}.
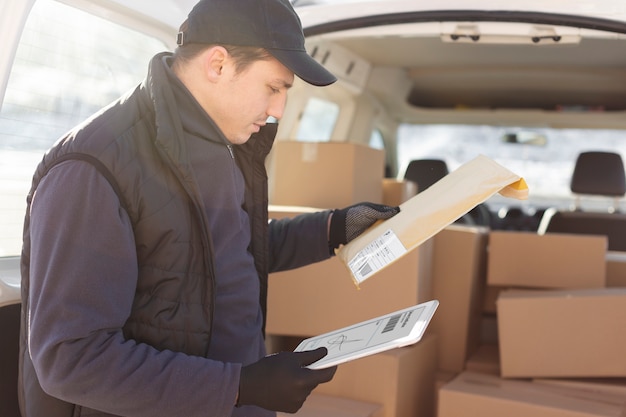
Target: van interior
{"type": "Point", "coordinates": [539, 88]}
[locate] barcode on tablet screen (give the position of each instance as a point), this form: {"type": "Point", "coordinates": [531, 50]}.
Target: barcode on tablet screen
{"type": "Point", "coordinates": [391, 324]}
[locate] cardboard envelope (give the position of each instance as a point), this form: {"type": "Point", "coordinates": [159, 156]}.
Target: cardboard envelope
{"type": "Point", "coordinates": [427, 213]}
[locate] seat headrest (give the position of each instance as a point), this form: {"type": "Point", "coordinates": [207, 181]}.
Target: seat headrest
{"type": "Point", "coordinates": [599, 173]}
{"type": "Point", "coordinates": [425, 172]}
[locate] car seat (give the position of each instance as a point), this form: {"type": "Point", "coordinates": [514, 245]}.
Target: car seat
{"type": "Point", "coordinates": [426, 172]}
{"type": "Point", "coordinates": [596, 173]}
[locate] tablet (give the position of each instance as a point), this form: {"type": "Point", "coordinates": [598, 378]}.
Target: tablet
{"type": "Point", "coordinates": [400, 328]}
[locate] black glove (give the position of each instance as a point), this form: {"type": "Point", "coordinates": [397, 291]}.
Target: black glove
{"type": "Point", "coordinates": [348, 223]}
{"type": "Point", "coordinates": [280, 382]}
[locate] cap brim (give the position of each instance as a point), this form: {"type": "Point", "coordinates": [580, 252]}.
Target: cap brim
{"type": "Point", "coordinates": [304, 66]}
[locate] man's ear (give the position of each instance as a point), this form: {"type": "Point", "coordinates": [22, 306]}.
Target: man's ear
{"type": "Point", "coordinates": [215, 59]}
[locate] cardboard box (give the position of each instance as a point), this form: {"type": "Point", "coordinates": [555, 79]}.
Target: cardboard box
{"type": "Point", "coordinates": [485, 360]}
{"type": "Point", "coordinates": [320, 405]}
{"type": "Point", "coordinates": [401, 380]}
{"type": "Point", "coordinates": [616, 269]}
{"type": "Point", "coordinates": [489, 329]}
{"type": "Point", "coordinates": [481, 395]}
{"type": "Point", "coordinates": [616, 386]}
{"type": "Point", "coordinates": [322, 297]}
{"type": "Point", "coordinates": [459, 260]}
{"type": "Point", "coordinates": [442, 378]}
{"type": "Point", "coordinates": [562, 333]}
{"type": "Point", "coordinates": [277, 343]}
{"type": "Point", "coordinates": [490, 297]}
{"type": "Point", "coordinates": [554, 260]}
{"type": "Point", "coordinates": [327, 175]}
{"type": "Point", "coordinates": [396, 192]}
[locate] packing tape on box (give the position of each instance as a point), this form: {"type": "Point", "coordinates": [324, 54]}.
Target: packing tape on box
{"type": "Point", "coordinates": [427, 213]}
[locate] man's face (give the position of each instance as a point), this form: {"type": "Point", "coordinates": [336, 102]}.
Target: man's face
{"type": "Point", "coordinates": [248, 98]}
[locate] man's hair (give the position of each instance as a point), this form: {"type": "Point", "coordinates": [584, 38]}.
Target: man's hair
{"type": "Point", "coordinates": [243, 56]}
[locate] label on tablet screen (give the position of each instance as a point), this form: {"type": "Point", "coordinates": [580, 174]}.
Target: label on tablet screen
{"type": "Point", "coordinates": [376, 255]}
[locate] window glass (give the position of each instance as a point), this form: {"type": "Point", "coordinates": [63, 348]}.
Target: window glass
{"type": "Point", "coordinates": [317, 121]}
{"type": "Point", "coordinates": [546, 165]}
{"type": "Point", "coordinates": [68, 65]}
{"type": "Point", "coordinates": [376, 140]}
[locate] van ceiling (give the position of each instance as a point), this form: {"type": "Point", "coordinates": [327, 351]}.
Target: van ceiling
{"type": "Point", "coordinates": [591, 74]}
{"type": "Point", "coordinates": [584, 69]}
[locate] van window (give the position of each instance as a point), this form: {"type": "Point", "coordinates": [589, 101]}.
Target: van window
{"type": "Point", "coordinates": [546, 165]}
{"type": "Point", "coordinates": [376, 140]}
{"type": "Point", "coordinates": [68, 65]}
{"type": "Point", "coordinates": [317, 121]}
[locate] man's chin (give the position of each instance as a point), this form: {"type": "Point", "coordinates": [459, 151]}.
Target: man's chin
{"type": "Point", "coordinates": [241, 139]}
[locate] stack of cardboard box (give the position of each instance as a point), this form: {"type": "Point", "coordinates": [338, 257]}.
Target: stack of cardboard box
{"type": "Point", "coordinates": [527, 324]}
{"type": "Point", "coordinates": [458, 283]}
{"type": "Point", "coordinates": [559, 330]}
{"type": "Point", "coordinates": [474, 394]}
{"type": "Point", "coordinates": [322, 297]}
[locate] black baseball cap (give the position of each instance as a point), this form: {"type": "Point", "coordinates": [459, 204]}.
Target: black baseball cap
{"type": "Point", "coordinates": [269, 24]}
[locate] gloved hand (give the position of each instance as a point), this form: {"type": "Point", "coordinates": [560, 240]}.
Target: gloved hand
{"type": "Point", "coordinates": [280, 382]}
{"type": "Point", "coordinates": [348, 223]}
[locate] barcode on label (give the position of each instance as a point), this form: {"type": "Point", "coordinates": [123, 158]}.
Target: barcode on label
{"type": "Point", "coordinates": [365, 270]}
{"type": "Point", "coordinates": [377, 254]}
{"type": "Point", "coordinates": [391, 324]}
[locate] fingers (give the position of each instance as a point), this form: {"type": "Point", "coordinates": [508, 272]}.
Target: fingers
{"type": "Point", "coordinates": [318, 376]}
{"type": "Point", "coordinates": [348, 223]}
{"type": "Point", "coordinates": [309, 356]}
{"type": "Point", "coordinates": [326, 374]}
{"type": "Point", "coordinates": [382, 211]}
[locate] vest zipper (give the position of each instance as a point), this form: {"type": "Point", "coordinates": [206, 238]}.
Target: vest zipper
{"type": "Point", "coordinates": [230, 149]}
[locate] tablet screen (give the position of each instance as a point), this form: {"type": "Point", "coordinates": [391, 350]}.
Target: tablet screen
{"type": "Point", "coordinates": [392, 330]}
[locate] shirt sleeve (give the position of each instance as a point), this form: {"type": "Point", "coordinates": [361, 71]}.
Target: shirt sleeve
{"type": "Point", "coordinates": [298, 241]}
{"type": "Point", "coordinates": [82, 285]}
